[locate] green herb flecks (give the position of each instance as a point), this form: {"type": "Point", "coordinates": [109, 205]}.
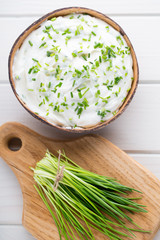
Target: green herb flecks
{"type": "Point", "coordinates": [74, 54]}
{"type": "Point", "coordinates": [117, 80]}
{"type": "Point", "coordinates": [35, 60]}
{"type": "Point", "coordinates": [58, 72]}
{"type": "Point", "coordinates": [74, 83]}
{"type": "Point", "coordinates": [42, 45]}
{"type": "Point", "coordinates": [55, 30]}
{"type": "Point", "coordinates": [53, 19]}
{"type": "Point", "coordinates": [108, 53]}
{"type": "Point", "coordinates": [56, 57]}
{"type": "Point", "coordinates": [78, 73]}
{"type": "Point", "coordinates": [47, 30]}
{"type": "Point", "coordinates": [98, 45]}
{"type": "Point", "coordinates": [50, 54]}
{"type": "Point", "coordinates": [71, 17]}
{"type": "Point", "coordinates": [79, 93]}
{"type": "Point", "coordinates": [81, 106]}
{"type": "Point", "coordinates": [103, 113]}
{"type": "Point", "coordinates": [67, 39]}
{"type": "Point", "coordinates": [49, 85]}
{"type": "Point", "coordinates": [84, 57]}
{"type": "Point", "coordinates": [67, 31]}
{"type": "Point", "coordinates": [93, 33]}
{"type": "Point", "coordinates": [97, 63]}
{"type": "Point", "coordinates": [97, 93]}
{"type": "Point", "coordinates": [71, 94]}
{"type": "Point", "coordinates": [119, 39]}
{"type": "Point", "coordinates": [79, 28]}
{"type": "Point", "coordinates": [33, 69]}
{"type": "Point", "coordinates": [47, 99]}
{"type": "Point", "coordinates": [30, 43]}
{"type": "Point", "coordinates": [107, 28]}
{"type": "Point", "coordinates": [110, 87]}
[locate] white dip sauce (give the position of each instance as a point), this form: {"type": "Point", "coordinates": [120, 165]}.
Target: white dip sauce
{"type": "Point", "coordinates": [75, 71]}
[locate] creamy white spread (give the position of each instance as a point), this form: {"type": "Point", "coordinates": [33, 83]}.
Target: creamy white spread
{"type": "Point", "coordinates": [75, 71]}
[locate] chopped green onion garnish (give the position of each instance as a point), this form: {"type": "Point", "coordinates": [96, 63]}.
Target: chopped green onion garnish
{"type": "Point", "coordinates": [30, 43]}
{"type": "Point", "coordinates": [107, 28]}
{"type": "Point", "coordinates": [30, 70]}
{"type": "Point", "coordinates": [49, 84]}
{"type": "Point", "coordinates": [71, 17]}
{"type": "Point", "coordinates": [42, 44]}
{"type": "Point", "coordinates": [46, 98]}
{"type": "Point", "coordinates": [117, 79]}
{"type": "Point", "coordinates": [74, 54]}
{"type": "Point", "coordinates": [120, 40]}
{"type": "Point", "coordinates": [97, 63]}
{"type": "Point", "coordinates": [56, 57]}
{"type": "Point", "coordinates": [55, 30]}
{"type": "Point", "coordinates": [66, 31]}
{"type": "Point", "coordinates": [93, 33]}
{"type": "Point", "coordinates": [79, 73]}
{"type": "Point", "coordinates": [67, 38]}
{"type": "Point", "coordinates": [73, 83]}
{"type": "Point", "coordinates": [84, 57]}
{"type": "Point", "coordinates": [97, 93]}
{"type": "Point", "coordinates": [53, 19]}
{"type": "Point", "coordinates": [98, 45]}
{"type": "Point", "coordinates": [85, 91]}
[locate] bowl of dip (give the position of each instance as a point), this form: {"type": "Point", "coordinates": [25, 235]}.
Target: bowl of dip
{"type": "Point", "coordinates": [74, 69]}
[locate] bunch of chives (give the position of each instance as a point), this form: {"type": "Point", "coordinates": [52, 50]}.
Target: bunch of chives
{"type": "Point", "coordinates": [80, 201]}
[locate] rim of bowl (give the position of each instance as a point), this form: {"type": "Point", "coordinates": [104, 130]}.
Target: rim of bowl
{"type": "Point", "coordinates": [62, 12]}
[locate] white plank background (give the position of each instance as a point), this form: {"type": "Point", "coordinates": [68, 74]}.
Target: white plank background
{"type": "Point", "coordinates": [137, 131]}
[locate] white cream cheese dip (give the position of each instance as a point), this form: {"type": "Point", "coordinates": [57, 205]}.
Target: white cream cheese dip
{"type": "Point", "coordinates": [75, 71]}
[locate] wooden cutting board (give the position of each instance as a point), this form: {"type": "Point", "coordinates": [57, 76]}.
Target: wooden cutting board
{"type": "Point", "coordinates": [91, 152]}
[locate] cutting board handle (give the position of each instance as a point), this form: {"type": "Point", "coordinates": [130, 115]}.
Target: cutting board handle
{"type": "Point", "coordinates": [90, 152]}
{"type": "Point", "coordinates": [20, 147]}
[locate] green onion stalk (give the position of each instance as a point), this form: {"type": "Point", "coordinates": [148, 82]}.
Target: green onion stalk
{"type": "Point", "coordinates": [80, 201]}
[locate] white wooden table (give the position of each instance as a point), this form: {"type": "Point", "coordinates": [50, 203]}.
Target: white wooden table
{"type": "Point", "coordinates": [137, 131]}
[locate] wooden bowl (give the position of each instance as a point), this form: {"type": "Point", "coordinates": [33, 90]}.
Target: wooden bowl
{"type": "Point", "coordinates": [63, 12]}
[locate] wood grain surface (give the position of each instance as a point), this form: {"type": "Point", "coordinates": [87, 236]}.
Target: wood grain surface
{"type": "Point", "coordinates": [91, 152]}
